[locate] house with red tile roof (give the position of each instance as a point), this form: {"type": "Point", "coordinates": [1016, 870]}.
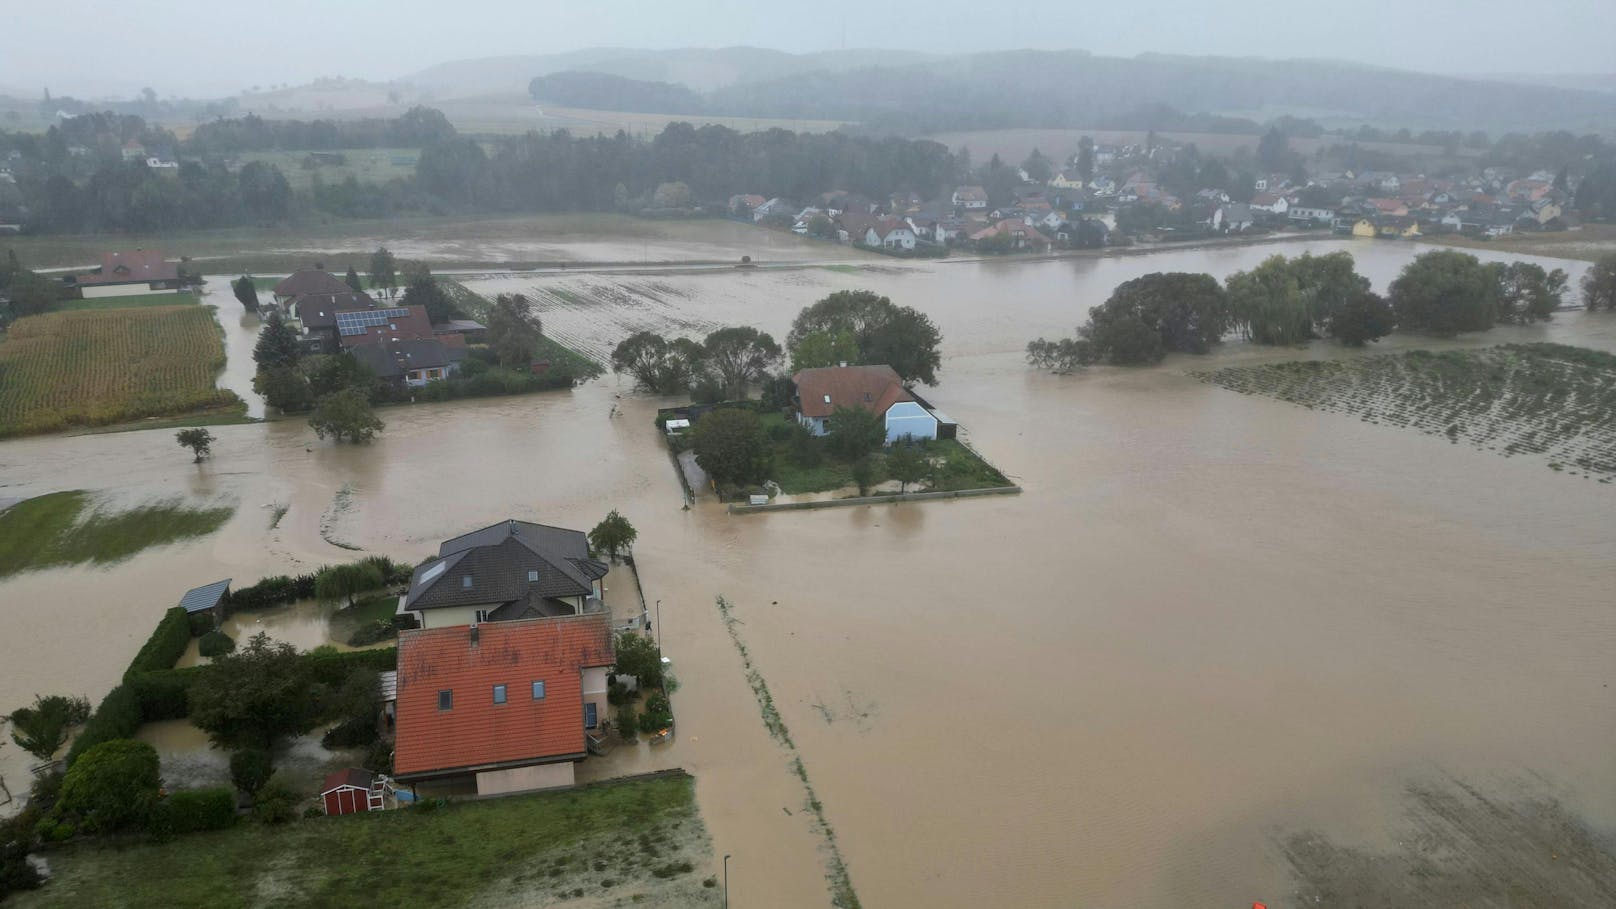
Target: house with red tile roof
{"type": "Point", "coordinates": [140, 271]}
{"type": "Point", "coordinates": [500, 707]}
{"type": "Point", "coordinates": [877, 389]}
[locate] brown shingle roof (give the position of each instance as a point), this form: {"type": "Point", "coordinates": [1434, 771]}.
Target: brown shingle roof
{"type": "Point", "coordinates": [310, 281]}
{"type": "Point", "coordinates": [475, 732]}
{"type": "Point", "coordinates": [138, 266]}
{"type": "Point", "coordinates": [875, 388]}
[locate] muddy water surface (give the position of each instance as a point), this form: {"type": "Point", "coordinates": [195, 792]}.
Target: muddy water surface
{"type": "Point", "coordinates": [1209, 618]}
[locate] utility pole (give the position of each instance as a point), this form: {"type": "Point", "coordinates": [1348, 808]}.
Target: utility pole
{"type": "Point", "coordinates": [726, 880]}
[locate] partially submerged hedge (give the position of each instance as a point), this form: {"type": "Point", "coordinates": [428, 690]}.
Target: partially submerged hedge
{"type": "Point", "coordinates": [165, 646]}
{"type": "Point", "coordinates": [195, 810]}
{"type": "Point", "coordinates": [274, 590]}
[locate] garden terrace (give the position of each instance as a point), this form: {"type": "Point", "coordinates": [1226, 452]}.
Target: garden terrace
{"type": "Point", "coordinates": [1547, 401]}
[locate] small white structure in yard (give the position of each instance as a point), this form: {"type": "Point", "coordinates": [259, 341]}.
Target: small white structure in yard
{"type": "Point", "coordinates": [675, 427]}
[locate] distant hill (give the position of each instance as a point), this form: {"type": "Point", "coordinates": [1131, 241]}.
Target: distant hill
{"type": "Point", "coordinates": [1593, 82]}
{"type": "Point", "coordinates": [603, 91]}
{"type": "Point", "coordinates": [700, 69]}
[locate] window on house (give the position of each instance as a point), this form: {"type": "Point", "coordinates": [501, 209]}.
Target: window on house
{"type": "Point", "coordinates": [532, 576]}
{"type": "Point", "coordinates": [482, 615]}
{"type": "Point", "coordinates": [499, 694]}
{"type": "Point", "coordinates": [465, 582]}
{"type": "Point", "coordinates": [538, 691]}
{"type": "Point", "coordinates": [827, 399]}
{"type": "Point", "coordinates": [589, 715]}
{"type": "Point", "coordinates": [446, 699]}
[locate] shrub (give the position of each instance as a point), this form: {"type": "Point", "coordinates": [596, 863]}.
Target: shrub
{"type": "Point", "coordinates": [165, 646]}
{"type": "Point", "coordinates": [271, 591]}
{"type": "Point", "coordinates": [195, 810]}
{"type": "Point", "coordinates": [626, 727]}
{"type": "Point", "coordinates": [357, 732]}
{"type": "Point", "coordinates": [215, 643]}
{"type": "Point", "coordinates": [373, 632]}
{"type": "Point", "coordinates": [250, 769]}
{"type": "Point", "coordinates": [379, 758]}
{"type": "Point", "coordinates": [658, 714]}
{"type": "Point", "coordinates": [275, 804]}
{"type": "Point", "coordinates": [117, 717]}
{"type": "Point", "coordinates": [41, 729]}
{"type": "Point", "coordinates": [163, 695]}
{"type": "Point", "coordinates": [331, 667]}
{"type": "Point", "coordinates": [112, 786]}
{"type": "Point", "coordinates": [201, 624]}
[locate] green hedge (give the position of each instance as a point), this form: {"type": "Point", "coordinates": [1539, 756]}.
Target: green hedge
{"type": "Point", "coordinates": [117, 718]}
{"type": "Point", "coordinates": [195, 810]}
{"type": "Point", "coordinates": [271, 591]}
{"type": "Point", "coordinates": [165, 646]}
{"type": "Point", "coordinates": [332, 668]}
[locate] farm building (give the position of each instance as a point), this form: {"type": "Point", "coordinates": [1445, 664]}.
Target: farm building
{"type": "Point", "coordinates": [351, 791]}
{"type": "Point", "coordinates": [877, 389]}
{"type": "Point", "coordinates": [141, 271]}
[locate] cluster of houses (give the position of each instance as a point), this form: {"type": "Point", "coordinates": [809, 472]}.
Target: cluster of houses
{"type": "Point", "coordinates": [400, 344]}
{"type": "Point", "coordinates": [1492, 204]}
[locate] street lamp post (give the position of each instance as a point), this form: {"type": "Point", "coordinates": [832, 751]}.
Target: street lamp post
{"type": "Point", "coordinates": [726, 880]}
{"type": "Point", "coordinates": [659, 629]}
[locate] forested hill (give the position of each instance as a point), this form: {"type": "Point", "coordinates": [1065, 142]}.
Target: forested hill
{"type": "Point", "coordinates": [603, 91]}
{"type": "Point", "coordinates": [1072, 88]}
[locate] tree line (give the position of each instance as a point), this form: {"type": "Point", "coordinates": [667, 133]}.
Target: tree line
{"type": "Point", "coordinates": [1292, 301]}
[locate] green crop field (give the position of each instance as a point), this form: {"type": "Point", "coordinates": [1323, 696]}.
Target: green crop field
{"type": "Point", "coordinates": [67, 369]}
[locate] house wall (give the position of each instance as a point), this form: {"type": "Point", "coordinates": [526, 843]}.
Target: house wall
{"type": "Point", "coordinates": [816, 425]}
{"type": "Point", "coordinates": [906, 418]}
{"type": "Point", "coordinates": [524, 779]}
{"type": "Point", "coordinates": [594, 683]}
{"type": "Point", "coordinates": [451, 616]}
{"type": "Point", "coordinates": [95, 291]}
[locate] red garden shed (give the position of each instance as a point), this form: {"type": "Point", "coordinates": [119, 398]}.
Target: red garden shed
{"type": "Point", "coordinates": [350, 791]}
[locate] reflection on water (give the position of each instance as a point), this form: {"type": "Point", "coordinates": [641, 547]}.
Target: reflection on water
{"type": "Point", "coordinates": [1208, 617]}
{"type": "Point", "coordinates": [306, 624]}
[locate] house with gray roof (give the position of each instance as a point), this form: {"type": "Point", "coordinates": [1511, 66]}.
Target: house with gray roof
{"type": "Point", "coordinates": [506, 571]}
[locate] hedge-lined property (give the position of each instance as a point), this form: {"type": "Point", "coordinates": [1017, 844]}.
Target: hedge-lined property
{"type": "Point", "coordinates": [165, 646]}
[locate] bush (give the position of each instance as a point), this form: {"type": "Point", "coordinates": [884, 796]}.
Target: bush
{"type": "Point", "coordinates": [215, 643]}
{"type": "Point", "coordinates": [165, 646]}
{"type": "Point", "coordinates": [372, 633]}
{"type": "Point", "coordinates": [626, 726]}
{"type": "Point", "coordinates": [195, 810]}
{"type": "Point", "coordinates": [379, 758]}
{"type": "Point", "coordinates": [113, 786]}
{"type": "Point", "coordinates": [250, 769]}
{"type": "Point", "coordinates": [658, 714]}
{"type": "Point", "coordinates": [271, 591]}
{"type": "Point", "coordinates": [332, 668]}
{"type": "Point", "coordinates": [163, 695]}
{"type": "Point", "coordinates": [357, 732]}
{"type": "Point", "coordinates": [201, 623]}
{"type": "Point", "coordinates": [275, 804]}
{"type": "Point", "coordinates": [117, 717]}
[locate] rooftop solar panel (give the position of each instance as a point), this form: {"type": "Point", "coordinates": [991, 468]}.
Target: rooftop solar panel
{"type": "Point", "coordinates": [355, 323]}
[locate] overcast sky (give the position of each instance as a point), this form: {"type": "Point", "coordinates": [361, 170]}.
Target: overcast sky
{"type": "Point", "coordinates": [215, 47]}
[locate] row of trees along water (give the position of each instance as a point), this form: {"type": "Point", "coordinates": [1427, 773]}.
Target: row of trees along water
{"type": "Point", "coordinates": [1296, 300]}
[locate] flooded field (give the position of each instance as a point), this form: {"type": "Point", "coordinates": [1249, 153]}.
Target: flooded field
{"type": "Point", "coordinates": [1214, 623]}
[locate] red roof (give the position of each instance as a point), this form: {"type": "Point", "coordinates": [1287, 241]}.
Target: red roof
{"type": "Point", "coordinates": [475, 733]}
{"type": "Point", "coordinates": [139, 266]}
{"type": "Point", "coordinates": [413, 326]}
{"type": "Point", "coordinates": [875, 388]}
{"type": "Point", "coordinates": [353, 776]}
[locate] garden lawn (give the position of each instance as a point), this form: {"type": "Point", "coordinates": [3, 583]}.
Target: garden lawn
{"type": "Point", "coordinates": [133, 301]}
{"type": "Point", "coordinates": [638, 841]}
{"type": "Point", "coordinates": [954, 467]}
{"type": "Point", "coordinates": [64, 528]}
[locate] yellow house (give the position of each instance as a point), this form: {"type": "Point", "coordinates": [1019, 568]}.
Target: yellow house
{"type": "Point", "coordinates": [1062, 181]}
{"type": "Point", "coordinates": [1365, 228]}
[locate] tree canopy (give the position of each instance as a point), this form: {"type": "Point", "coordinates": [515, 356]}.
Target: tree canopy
{"type": "Point", "coordinates": [199, 440]}
{"type": "Point", "coordinates": [730, 446]}
{"type": "Point", "coordinates": [246, 292]}
{"type": "Point", "coordinates": [41, 729]}
{"type": "Point", "coordinates": [1599, 284]}
{"type": "Point", "coordinates": [346, 416]}
{"type": "Point", "coordinates": [740, 356]}
{"type": "Point", "coordinates": [658, 365]}
{"type": "Point", "coordinates": [277, 345]}
{"type": "Point", "coordinates": [613, 535]}
{"type": "Point", "coordinates": [110, 787]}
{"type": "Point", "coordinates": [885, 334]}
{"type": "Point", "coordinates": [256, 696]}
{"type": "Point", "coordinates": [1445, 292]}
{"type": "Point", "coordinates": [1527, 292]}
{"type": "Point", "coordinates": [513, 329]}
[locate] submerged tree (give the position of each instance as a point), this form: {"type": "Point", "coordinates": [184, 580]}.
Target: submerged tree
{"type": "Point", "coordinates": [884, 334]}
{"type": "Point", "coordinates": [730, 446]}
{"type": "Point", "coordinates": [657, 364]}
{"type": "Point", "coordinates": [199, 440]}
{"type": "Point", "coordinates": [513, 329]}
{"type": "Point", "coordinates": [246, 291]}
{"type": "Point", "coordinates": [1599, 284]}
{"type": "Point", "coordinates": [42, 729]}
{"type": "Point", "coordinates": [612, 535]}
{"type": "Point", "coordinates": [1445, 292]}
{"type": "Point", "coordinates": [739, 356]}
{"type": "Point", "coordinates": [346, 416]}
{"type": "Point", "coordinates": [256, 696]}
{"type": "Point", "coordinates": [1527, 292]}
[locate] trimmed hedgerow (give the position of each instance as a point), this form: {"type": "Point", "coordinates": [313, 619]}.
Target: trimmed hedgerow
{"type": "Point", "coordinates": [195, 810]}
{"type": "Point", "coordinates": [165, 646]}
{"type": "Point", "coordinates": [215, 643]}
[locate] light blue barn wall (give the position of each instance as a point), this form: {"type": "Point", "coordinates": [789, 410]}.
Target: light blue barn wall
{"type": "Point", "coordinates": [906, 418]}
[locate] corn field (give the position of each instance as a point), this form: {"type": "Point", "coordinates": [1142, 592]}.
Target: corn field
{"type": "Point", "coordinates": [66, 369]}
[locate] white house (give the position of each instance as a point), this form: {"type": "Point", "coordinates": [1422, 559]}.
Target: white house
{"type": "Point", "coordinates": [1312, 215]}
{"type": "Point", "coordinates": [877, 389]}
{"type": "Point", "coordinates": [890, 234]}
{"type": "Point", "coordinates": [971, 198]}
{"type": "Point", "coordinates": [1272, 203]}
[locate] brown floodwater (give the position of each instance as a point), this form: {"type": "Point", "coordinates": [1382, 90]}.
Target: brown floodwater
{"type": "Point", "coordinates": [1210, 619]}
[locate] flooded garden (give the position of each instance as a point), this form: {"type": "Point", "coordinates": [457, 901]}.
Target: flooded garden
{"type": "Point", "coordinates": [1212, 622]}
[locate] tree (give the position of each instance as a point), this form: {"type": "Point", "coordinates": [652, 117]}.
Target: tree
{"type": "Point", "coordinates": [906, 465]}
{"type": "Point", "coordinates": [885, 334]}
{"type": "Point", "coordinates": [383, 270]}
{"type": "Point", "coordinates": [1085, 159]}
{"type": "Point", "coordinates": [824, 348]}
{"type": "Point", "coordinates": [513, 329]}
{"type": "Point", "coordinates": [740, 355]}
{"type": "Point", "coordinates": [352, 280]}
{"type": "Point", "coordinates": [730, 446]}
{"type": "Point", "coordinates": [1445, 292]}
{"type": "Point", "coordinates": [863, 473]}
{"type": "Point", "coordinates": [657, 364]}
{"type": "Point", "coordinates": [1599, 284]}
{"type": "Point", "coordinates": [854, 432]}
{"type": "Point", "coordinates": [821, 227]}
{"type": "Point", "coordinates": [636, 655]}
{"type": "Point", "coordinates": [346, 416]}
{"type": "Point", "coordinates": [1038, 167]}
{"type": "Point", "coordinates": [256, 696]}
{"type": "Point", "coordinates": [1126, 341]}
{"type": "Point", "coordinates": [1188, 312]}
{"type": "Point", "coordinates": [251, 768]}
{"type": "Point", "coordinates": [328, 373]}
{"type": "Point", "coordinates": [1527, 293]}
{"type": "Point", "coordinates": [277, 345]}
{"type": "Point", "coordinates": [1267, 303]}
{"type": "Point", "coordinates": [199, 440]}
{"type": "Point", "coordinates": [1274, 151]}
{"type": "Point", "coordinates": [336, 582]}
{"type": "Point", "coordinates": [110, 787]}
{"type": "Point", "coordinates": [425, 291]}
{"type": "Point", "coordinates": [42, 729]}
{"type": "Point", "coordinates": [1062, 356]}
{"type": "Point", "coordinates": [612, 535]}
{"type": "Point", "coordinates": [246, 291]}
{"type": "Point", "coordinates": [1367, 317]}
{"type": "Point", "coordinates": [672, 195]}
{"type": "Point", "coordinates": [284, 388]}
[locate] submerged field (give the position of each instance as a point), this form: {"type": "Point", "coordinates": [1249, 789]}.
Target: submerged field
{"type": "Point", "coordinates": [67, 528]}
{"type": "Point", "coordinates": [640, 842]}
{"type": "Point", "coordinates": [1545, 400]}
{"type": "Point", "coordinates": [68, 369]}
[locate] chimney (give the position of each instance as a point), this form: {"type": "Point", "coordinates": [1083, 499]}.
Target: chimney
{"type": "Point", "coordinates": [474, 635]}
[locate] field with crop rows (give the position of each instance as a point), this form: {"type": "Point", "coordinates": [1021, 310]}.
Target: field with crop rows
{"type": "Point", "coordinates": [68, 369]}
{"type": "Point", "coordinates": [1549, 401]}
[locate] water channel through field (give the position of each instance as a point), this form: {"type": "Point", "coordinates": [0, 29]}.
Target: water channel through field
{"type": "Point", "coordinates": [1210, 619]}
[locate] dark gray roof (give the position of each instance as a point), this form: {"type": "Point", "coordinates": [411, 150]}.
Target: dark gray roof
{"type": "Point", "coordinates": [391, 359]}
{"type": "Point", "coordinates": [319, 310]}
{"type": "Point", "coordinates": [310, 281]}
{"type": "Point", "coordinates": [499, 561]}
{"type": "Point", "coordinates": [378, 358]}
{"type": "Point", "coordinates": [459, 325]}
{"type": "Point", "coordinates": [205, 597]}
